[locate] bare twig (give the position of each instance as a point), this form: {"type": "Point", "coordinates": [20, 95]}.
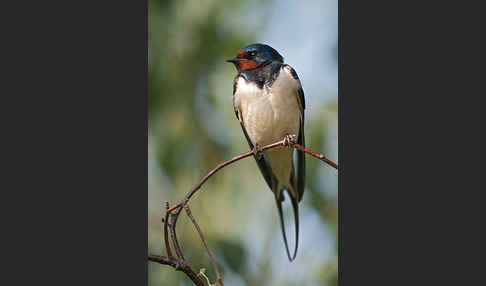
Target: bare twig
{"type": "Point", "coordinates": [173, 220]}
{"type": "Point", "coordinates": [172, 214]}
{"type": "Point", "coordinates": [317, 155]}
{"type": "Point", "coordinates": [213, 262]}
{"type": "Point", "coordinates": [166, 236]}
{"type": "Point", "coordinates": [177, 265]}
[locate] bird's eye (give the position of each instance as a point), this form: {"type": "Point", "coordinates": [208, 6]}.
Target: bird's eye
{"type": "Point", "coordinates": [252, 53]}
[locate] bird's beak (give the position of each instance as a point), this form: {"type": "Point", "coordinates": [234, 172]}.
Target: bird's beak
{"type": "Point", "coordinates": [232, 60]}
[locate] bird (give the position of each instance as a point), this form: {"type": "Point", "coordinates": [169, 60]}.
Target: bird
{"type": "Point", "coordinates": [269, 104]}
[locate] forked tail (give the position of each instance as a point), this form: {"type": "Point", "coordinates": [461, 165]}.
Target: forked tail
{"type": "Point", "coordinates": [282, 224]}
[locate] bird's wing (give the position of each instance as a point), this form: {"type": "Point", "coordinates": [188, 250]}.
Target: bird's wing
{"type": "Point", "coordinates": [299, 179]}
{"type": "Point", "coordinates": [262, 163]}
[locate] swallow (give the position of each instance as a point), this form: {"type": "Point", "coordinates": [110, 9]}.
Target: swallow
{"type": "Point", "coordinates": [268, 101]}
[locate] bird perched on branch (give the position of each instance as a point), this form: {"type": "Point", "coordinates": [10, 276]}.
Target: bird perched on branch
{"type": "Point", "coordinates": [269, 103]}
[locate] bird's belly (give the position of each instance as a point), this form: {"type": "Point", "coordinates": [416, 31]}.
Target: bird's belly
{"type": "Point", "coordinates": [268, 118]}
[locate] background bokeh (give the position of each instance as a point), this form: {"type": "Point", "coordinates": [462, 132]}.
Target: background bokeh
{"type": "Point", "coordinates": [192, 128]}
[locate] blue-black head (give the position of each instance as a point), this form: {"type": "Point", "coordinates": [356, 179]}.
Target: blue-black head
{"type": "Point", "coordinates": [254, 56]}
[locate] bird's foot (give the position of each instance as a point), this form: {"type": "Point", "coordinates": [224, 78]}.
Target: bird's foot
{"type": "Point", "coordinates": [257, 151]}
{"type": "Point", "coordinates": [290, 140]}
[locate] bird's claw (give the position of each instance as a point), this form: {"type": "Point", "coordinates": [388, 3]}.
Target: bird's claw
{"type": "Point", "coordinates": [290, 140]}
{"type": "Point", "coordinates": [257, 151]}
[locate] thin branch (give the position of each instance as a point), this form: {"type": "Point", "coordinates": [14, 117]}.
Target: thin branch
{"type": "Point", "coordinates": [172, 214]}
{"type": "Point", "coordinates": [317, 155]}
{"type": "Point", "coordinates": [173, 220]}
{"type": "Point", "coordinates": [166, 236]}
{"type": "Point", "coordinates": [215, 266]}
{"type": "Point", "coordinates": [177, 265]}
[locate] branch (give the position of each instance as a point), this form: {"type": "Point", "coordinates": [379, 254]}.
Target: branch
{"type": "Point", "coordinates": [172, 214]}
{"type": "Point", "coordinates": [178, 266]}
{"type": "Point", "coordinates": [317, 155]}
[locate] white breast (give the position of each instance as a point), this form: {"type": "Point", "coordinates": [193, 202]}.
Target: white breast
{"type": "Point", "coordinates": [270, 113]}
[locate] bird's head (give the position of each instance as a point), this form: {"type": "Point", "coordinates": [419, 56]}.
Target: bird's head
{"type": "Point", "coordinates": [255, 56]}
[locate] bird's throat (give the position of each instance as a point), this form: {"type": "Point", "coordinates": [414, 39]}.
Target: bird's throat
{"type": "Point", "coordinates": [245, 64]}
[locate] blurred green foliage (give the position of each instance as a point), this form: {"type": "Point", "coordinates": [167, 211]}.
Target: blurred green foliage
{"type": "Point", "coordinates": [192, 128]}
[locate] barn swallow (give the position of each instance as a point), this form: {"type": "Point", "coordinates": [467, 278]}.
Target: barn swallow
{"type": "Point", "coordinates": [268, 101]}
